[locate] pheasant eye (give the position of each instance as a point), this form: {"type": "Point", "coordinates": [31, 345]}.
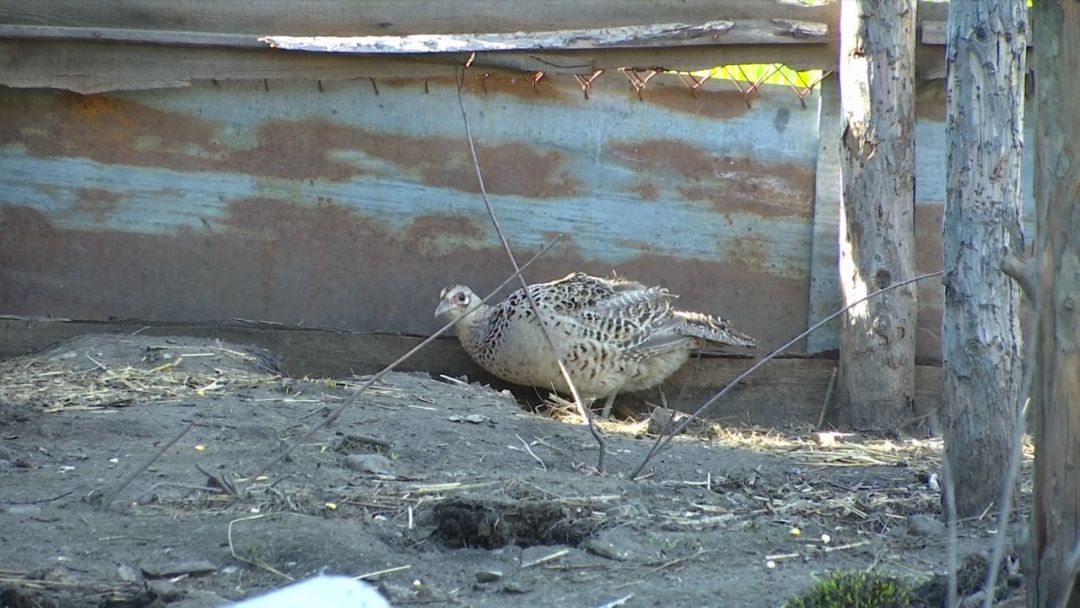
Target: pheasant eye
{"type": "Point", "coordinates": [461, 297]}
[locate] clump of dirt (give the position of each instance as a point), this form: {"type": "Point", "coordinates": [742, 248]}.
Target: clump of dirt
{"type": "Point", "coordinates": [439, 492]}
{"type": "Point", "coordinates": [493, 523]}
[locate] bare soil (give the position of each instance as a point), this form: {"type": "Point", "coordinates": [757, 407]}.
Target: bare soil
{"type": "Point", "coordinates": [439, 492]}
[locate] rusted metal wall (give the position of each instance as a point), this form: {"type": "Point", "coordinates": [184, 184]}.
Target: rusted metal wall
{"type": "Point", "coordinates": [350, 204]}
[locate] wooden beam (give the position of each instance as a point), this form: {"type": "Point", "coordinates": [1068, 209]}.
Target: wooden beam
{"type": "Point", "coordinates": [55, 33]}
{"type": "Point", "coordinates": [786, 391]}
{"type": "Point", "coordinates": [825, 252]}
{"type": "Point", "coordinates": [775, 31]}
{"type": "Point", "coordinates": [394, 17]}
{"type": "Point", "coordinates": [96, 67]}
{"type": "Point", "coordinates": [664, 35]}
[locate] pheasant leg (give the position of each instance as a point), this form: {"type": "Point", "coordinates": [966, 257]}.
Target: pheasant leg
{"type": "Point", "coordinates": [607, 405]}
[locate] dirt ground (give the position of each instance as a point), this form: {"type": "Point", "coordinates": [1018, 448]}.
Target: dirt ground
{"type": "Point", "coordinates": [438, 492]}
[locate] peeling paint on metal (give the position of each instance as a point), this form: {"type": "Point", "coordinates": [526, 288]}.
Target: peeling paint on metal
{"type": "Point", "coordinates": [348, 209]}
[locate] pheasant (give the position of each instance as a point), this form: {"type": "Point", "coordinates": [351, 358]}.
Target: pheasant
{"type": "Point", "coordinates": [614, 335]}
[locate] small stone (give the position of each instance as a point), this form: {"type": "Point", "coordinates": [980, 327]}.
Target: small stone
{"type": "Point", "coordinates": [370, 463]}
{"type": "Point", "coordinates": [619, 544]}
{"type": "Point", "coordinates": [23, 509]}
{"type": "Point", "coordinates": [488, 576]}
{"type": "Point", "coordinates": [165, 590]}
{"type": "Point", "coordinates": [476, 418]}
{"type": "Point", "coordinates": [127, 574]}
{"type": "Point", "coordinates": [515, 588]}
{"type": "Point", "coordinates": [924, 525]}
{"type": "Point", "coordinates": [171, 569]}
{"type": "Point", "coordinates": [663, 420]}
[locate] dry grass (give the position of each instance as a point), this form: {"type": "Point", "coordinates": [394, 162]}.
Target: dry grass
{"type": "Point", "coordinates": [76, 380]}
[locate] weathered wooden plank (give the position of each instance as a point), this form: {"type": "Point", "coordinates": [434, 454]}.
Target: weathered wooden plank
{"type": "Point", "coordinates": [59, 33]}
{"type": "Point", "coordinates": [776, 31]}
{"type": "Point", "coordinates": [659, 35]}
{"type": "Point", "coordinates": [786, 391]}
{"type": "Point", "coordinates": [824, 266]}
{"type": "Point", "coordinates": [393, 17]}
{"type": "Point", "coordinates": [84, 67]}
{"type": "Point", "coordinates": [95, 67]}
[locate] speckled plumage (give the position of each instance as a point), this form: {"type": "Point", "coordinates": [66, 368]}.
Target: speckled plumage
{"type": "Point", "coordinates": [614, 335]}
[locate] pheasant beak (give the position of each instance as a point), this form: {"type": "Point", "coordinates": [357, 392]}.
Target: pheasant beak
{"type": "Point", "coordinates": [443, 307]}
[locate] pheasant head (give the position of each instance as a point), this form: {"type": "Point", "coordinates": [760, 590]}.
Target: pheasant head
{"type": "Point", "coordinates": [458, 301]}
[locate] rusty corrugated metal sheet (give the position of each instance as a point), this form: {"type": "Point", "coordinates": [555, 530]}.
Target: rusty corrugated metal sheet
{"type": "Point", "coordinates": [351, 207]}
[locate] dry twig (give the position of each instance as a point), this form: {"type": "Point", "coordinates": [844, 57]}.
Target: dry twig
{"type": "Point", "coordinates": [108, 498]}
{"type": "Point", "coordinates": [586, 413]}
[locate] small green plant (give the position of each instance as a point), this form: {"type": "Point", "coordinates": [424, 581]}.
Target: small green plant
{"type": "Point", "coordinates": [846, 589]}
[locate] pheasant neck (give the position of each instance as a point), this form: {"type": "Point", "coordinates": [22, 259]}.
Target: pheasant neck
{"type": "Point", "coordinates": [468, 323]}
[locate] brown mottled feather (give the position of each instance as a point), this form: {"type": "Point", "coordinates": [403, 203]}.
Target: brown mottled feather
{"type": "Point", "coordinates": [614, 335]}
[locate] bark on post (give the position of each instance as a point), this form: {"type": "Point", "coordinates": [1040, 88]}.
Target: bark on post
{"type": "Point", "coordinates": [981, 324]}
{"type": "Point", "coordinates": [1055, 518]}
{"type": "Point", "coordinates": [877, 89]}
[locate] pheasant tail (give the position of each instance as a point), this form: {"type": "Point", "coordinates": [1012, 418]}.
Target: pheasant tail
{"type": "Point", "coordinates": [712, 329]}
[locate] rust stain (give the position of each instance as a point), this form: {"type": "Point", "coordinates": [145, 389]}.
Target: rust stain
{"type": "Point", "coordinates": [97, 202]}
{"type": "Point", "coordinates": [929, 254]}
{"type": "Point", "coordinates": [327, 265]}
{"type": "Point", "coordinates": [647, 191]}
{"type": "Point", "coordinates": [516, 84]}
{"type": "Point", "coordinates": [509, 169]}
{"type": "Point", "coordinates": [931, 101]}
{"type": "Point", "coordinates": [103, 128]}
{"type": "Point", "coordinates": [930, 109]}
{"type": "Point", "coordinates": [929, 250]}
{"type": "Point", "coordinates": [433, 227]}
{"type": "Point", "coordinates": [707, 104]}
{"type": "Point", "coordinates": [730, 184]}
{"type": "Point", "coordinates": [749, 250]}
{"type": "Point", "coordinates": [110, 130]}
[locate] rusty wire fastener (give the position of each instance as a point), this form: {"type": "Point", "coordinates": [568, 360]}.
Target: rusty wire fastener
{"type": "Point", "coordinates": [586, 81]}
{"type": "Point", "coordinates": [536, 78]}
{"type": "Point", "coordinates": [637, 81]}
{"type": "Point", "coordinates": [321, 89]}
{"type": "Point", "coordinates": [374, 86]}
{"type": "Point", "coordinates": [752, 86]}
{"type": "Point", "coordinates": [427, 91]}
{"type": "Point", "coordinates": [470, 60]}
{"type": "Point", "coordinates": [266, 84]}
{"type": "Point", "coordinates": [803, 90]}
{"type": "Point", "coordinates": [692, 82]}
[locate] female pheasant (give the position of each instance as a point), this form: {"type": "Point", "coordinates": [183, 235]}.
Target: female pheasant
{"type": "Point", "coordinates": [614, 335]}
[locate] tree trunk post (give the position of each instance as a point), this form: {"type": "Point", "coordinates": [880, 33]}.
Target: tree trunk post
{"type": "Point", "coordinates": [981, 323]}
{"type": "Point", "coordinates": [1055, 518]}
{"type": "Point", "coordinates": [877, 90]}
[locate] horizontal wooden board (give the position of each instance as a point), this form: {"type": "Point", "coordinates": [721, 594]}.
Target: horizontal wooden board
{"type": "Point", "coordinates": [95, 67]}
{"type": "Point", "coordinates": [394, 17]}
{"type": "Point", "coordinates": [785, 391]}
